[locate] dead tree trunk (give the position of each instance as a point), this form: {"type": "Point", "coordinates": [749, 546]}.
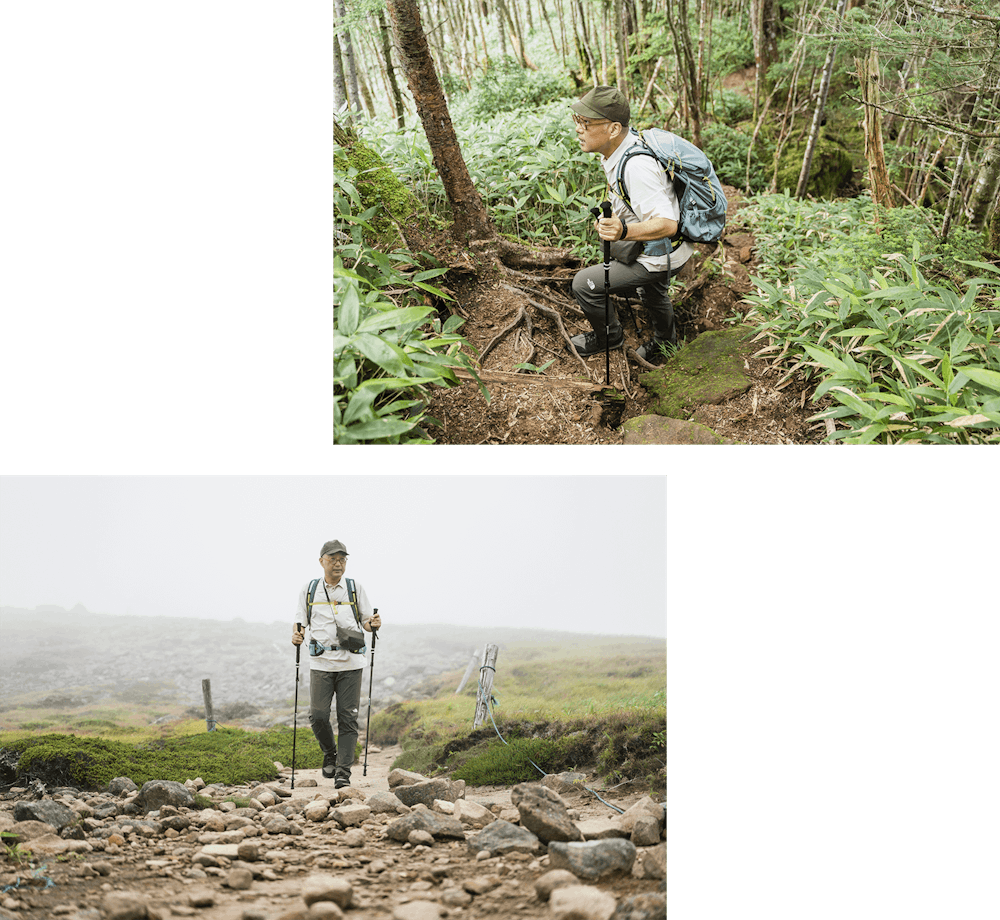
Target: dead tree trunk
{"type": "Point", "coordinates": [486, 674]}
{"type": "Point", "coordinates": [206, 691]}
{"type": "Point", "coordinates": [878, 176]}
{"type": "Point", "coordinates": [470, 218]}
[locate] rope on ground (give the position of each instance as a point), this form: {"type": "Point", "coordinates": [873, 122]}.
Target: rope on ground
{"type": "Point", "coordinates": [489, 708]}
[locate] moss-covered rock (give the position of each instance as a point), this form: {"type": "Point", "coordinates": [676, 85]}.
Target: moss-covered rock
{"type": "Point", "coordinates": [706, 371]}
{"type": "Point", "coordinates": [656, 429]}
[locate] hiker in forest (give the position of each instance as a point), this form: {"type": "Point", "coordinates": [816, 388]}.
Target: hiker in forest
{"type": "Point", "coordinates": [335, 610]}
{"type": "Point", "coordinates": [602, 122]}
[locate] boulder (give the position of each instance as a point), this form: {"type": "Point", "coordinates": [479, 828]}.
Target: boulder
{"type": "Point", "coordinates": [473, 814]}
{"type": "Point", "coordinates": [384, 803]}
{"type": "Point", "coordinates": [581, 902]}
{"type": "Point", "coordinates": [122, 785]}
{"type": "Point", "coordinates": [502, 837]}
{"type": "Point", "coordinates": [645, 806]}
{"type": "Point", "coordinates": [53, 813]}
{"type": "Point", "coordinates": [327, 888]}
{"type": "Point", "coordinates": [405, 778]}
{"type": "Point", "coordinates": [600, 828]}
{"type": "Point", "coordinates": [550, 881]}
{"type": "Point", "coordinates": [649, 906]}
{"type": "Point", "coordinates": [159, 792]}
{"type": "Point", "coordinates": [646, 831]}
{"type": "Point", "coordinates": [651, 862]}
{"type": "Point", "coordinates": [124, 905]}
{"type": "Point", "coordinates": [350, 815]}
{"type": "Point", "coordinates": [593, 859]}
{"type": "Point", "coordinates": [544, 813]}
{"type": "Point", "coordinates": [436, 825]}
{"type": "Point", "coordinates": [425, 793]}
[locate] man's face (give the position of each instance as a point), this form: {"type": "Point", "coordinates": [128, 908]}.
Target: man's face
{"type": "Point", "coordinates": [593, 134]}
{"type": "Point", "coordinates": [333, 566]}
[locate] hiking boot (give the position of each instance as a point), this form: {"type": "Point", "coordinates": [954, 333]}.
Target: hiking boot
{"type": "Point", "coordinates": [343, 779]}
{"type": "Point", "coordinates": [328, 772]}
{"type": "Point", "coordinates": [591, 343]}
{"type": "Point", "coordinates": [656, 352]}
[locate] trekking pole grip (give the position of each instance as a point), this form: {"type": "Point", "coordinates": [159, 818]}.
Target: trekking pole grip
{"type": "Point", "coordinates": [606, 209]}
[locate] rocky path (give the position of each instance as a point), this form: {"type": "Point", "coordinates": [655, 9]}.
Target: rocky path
{"type": "Point", "coordinates": [393, 846]}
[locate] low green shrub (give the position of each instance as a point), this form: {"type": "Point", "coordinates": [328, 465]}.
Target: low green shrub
{"type": "Point", "coordinates": [903, 358]}
{"type": "Point", "coordinates": [225, 755]}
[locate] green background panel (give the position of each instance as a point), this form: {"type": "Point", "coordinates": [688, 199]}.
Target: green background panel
{"type": "Point", "coordinates": [166, 297]}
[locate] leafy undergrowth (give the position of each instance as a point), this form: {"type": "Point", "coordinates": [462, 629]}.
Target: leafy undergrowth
{"type": "Point", "coordinates": [226, 755]}
{"type": "Point", "coordinates": [902, 349]}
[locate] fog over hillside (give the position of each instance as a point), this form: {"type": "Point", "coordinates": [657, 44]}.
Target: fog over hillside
{"type": "Point", "coordinates": [71, 660]}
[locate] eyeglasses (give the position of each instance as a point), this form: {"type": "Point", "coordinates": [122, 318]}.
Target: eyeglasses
{"type": "Point", "coordinates": [586, 123]}
{"type": "Point", "coordinates": [337, 558]}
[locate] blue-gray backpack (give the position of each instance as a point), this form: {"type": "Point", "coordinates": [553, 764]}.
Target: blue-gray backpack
{"type": "Point", "coordinates": [699, 192]}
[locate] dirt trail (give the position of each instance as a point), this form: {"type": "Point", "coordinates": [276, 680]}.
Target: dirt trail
{"type": "Point", "coordinates": [171, 876]}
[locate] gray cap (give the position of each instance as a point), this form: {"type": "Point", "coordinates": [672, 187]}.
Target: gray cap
{"type": "Point", "coordinates": [333, 546]}
{"type": "Point", "coordinates": [604, 102]}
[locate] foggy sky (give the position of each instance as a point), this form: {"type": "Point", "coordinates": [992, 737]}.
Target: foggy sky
{"type": "Point", "coordinates": [559, 552]}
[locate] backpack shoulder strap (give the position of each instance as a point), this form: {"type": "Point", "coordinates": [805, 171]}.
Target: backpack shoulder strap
{"type": "Point", "coordinates": [641, 148]}
{"type": "Point", "coordinates": [353, 595]}
{"type": "Point", "coordinates": [310, 593]}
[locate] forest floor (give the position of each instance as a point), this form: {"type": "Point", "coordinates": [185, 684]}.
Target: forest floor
{"type": "Point", "coordinates": [563, 404]}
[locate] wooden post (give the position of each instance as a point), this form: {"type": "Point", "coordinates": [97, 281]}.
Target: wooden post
{"type": "Point", "coordinates": [468, 672]}
{"type": "Point", "coordinates": [206, 690]}
{"type": "Point", "coordinates": [486, 674]}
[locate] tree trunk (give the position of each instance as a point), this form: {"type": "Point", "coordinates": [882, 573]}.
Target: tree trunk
{"type": "Point", "coordinates": [824, 89]}
{"type": "Point", "coordinates": [620, 44]}
{"type": "Point", "coordinates": [986, 188]}
{"type": "Point", "coordinates": [470, 217]}
{"type": "Point", "coordinates": [339, 83]}
{"type": "Point", "coordinates": [869, 74]}
{"type": "Point", "coordinates": [351, 66]}
{"type": "Point", "coordinates": [397, 96]}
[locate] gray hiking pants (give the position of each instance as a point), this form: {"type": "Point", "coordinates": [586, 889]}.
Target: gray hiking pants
{"type": "Point", "coordinates": [588, 289]}
{"type": "Point", "coordinates": [346, 685]}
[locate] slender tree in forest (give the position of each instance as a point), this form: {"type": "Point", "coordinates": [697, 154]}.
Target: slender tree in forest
{"type": "Point", "coordinates": [397, 98]}
{"type": "Point", "coordinates": [817, 122]}
{"type": "Point", "coordinates": [470, 218]}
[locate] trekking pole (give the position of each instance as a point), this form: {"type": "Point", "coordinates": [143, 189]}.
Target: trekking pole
{"type": "Point", "coordinates": [295, 717]}
{"type": "Point", "coordinates": [606, 208]}
{"type": "Point", "coordinates": [371, 676]}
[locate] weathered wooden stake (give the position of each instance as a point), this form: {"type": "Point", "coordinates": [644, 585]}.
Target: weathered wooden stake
{"type": "Point", "coordinates": [468, 672]}
{"type": "Point", "coordinates": [206, 689]}
{"type": "Point", "coordinates": [486, 674]}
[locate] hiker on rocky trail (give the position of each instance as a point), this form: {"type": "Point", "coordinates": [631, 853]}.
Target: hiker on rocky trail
{"type": "Point", "coordinates": [602, 126]}
{"type": "Point", "coordinates": [335, 610]}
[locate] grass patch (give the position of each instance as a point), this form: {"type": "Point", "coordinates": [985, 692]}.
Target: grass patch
{"type": "Point", "coordinates": [227, 755]}
{"type": "Point", "coordinates": [594, 705]}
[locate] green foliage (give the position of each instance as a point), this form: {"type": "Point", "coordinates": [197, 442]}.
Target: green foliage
{"type": "Point", "coordinates": [387, 355]}
{"type": "Point", "coordinates": [732, 108]}
{"type": "Point", "coordinates": [904, 359]}
{"type": "Point", "coordinates": [849, 234]}
{"type": "Point", "coordinates": [727, 148]}
{"type": "Point", "coordinates": [732, 45]}
{"type": "Point", "coordinates": [536, 183]}
{"type": "Point", "coordinates": [226, 755]}
{"type": "Point", "coordinates": [507, 764]}
{"type": "Point", "coordinates": [507, 87]}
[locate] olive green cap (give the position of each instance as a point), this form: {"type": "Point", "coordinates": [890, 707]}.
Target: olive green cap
{"type": "Point", "coordinates": [604, 102]}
